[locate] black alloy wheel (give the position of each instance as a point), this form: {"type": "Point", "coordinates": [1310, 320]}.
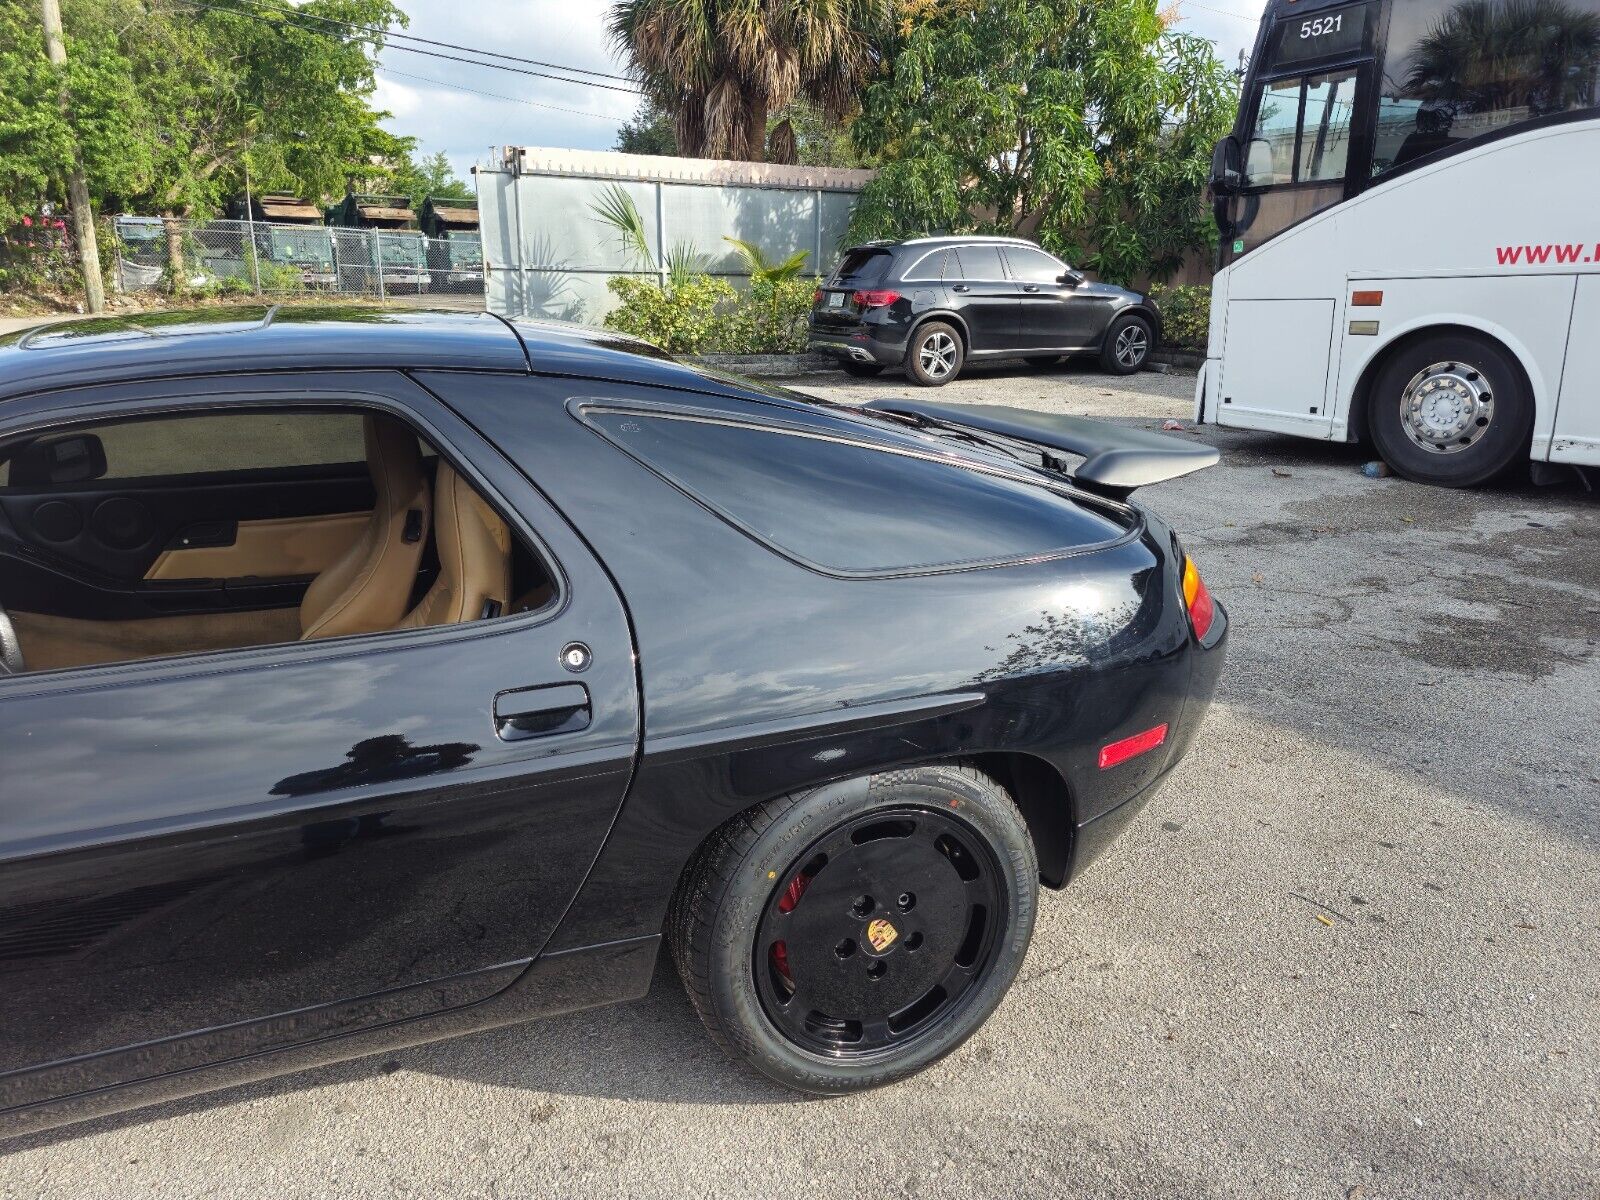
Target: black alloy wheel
{"type": "Point", "coordinates": [1128, 343]}
{"type": "Point", "coordinates": [849, 936]}
{"type": "Point", "coordinates": [880, 931]}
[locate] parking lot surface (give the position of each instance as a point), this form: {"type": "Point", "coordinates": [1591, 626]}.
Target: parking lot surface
{"type": "Point", "coordinates": [1350, 951]}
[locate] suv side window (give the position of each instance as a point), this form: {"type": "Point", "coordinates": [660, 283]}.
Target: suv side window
{"type": "Point", "coordinates": [981, 262]}
{"type": "Point", "coordinates": [1034, 266]}
{"type": "Point", "coordinates": [929, 267]}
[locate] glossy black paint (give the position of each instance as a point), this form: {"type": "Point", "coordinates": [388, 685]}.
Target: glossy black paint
{"type": "Point", "coordinates": [999, 313]}
{"type": "Point", "coordinates": [218, 867]}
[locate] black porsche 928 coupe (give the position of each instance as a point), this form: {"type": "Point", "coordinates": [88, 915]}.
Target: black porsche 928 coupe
{"type": "Point", "coordinates": [370, 678]}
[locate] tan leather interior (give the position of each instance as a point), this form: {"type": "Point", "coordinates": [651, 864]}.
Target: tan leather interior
{"type": "Point", "coordinates": [474, 547]}
{"type": "Point", "coordinates": [50, 643]}
{"type": "Point", "coordinates": [368, 588]}
{"type": "Point", "coordinates": [273, 549]}
{"type": "Point", "coordinates": [368, 570]}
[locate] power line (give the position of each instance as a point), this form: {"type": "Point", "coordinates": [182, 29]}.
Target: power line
{"type": "Point", "coordinates": [459, 87]}
{"type": "Point", "coordinates": [377, 40]}
{"type": "Point", "coordinates": [390, 34]}
{"type": "Point", "coordinates": [1221, 12]}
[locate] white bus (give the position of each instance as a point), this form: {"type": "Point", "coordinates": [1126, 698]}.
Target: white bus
{"type": "Point", "coordinates": [1409, 209]}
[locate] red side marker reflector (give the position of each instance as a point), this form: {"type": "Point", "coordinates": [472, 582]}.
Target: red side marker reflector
{"type": "Point", "coordinates": [1132, 747]}
{"type": "Point", "coordinates": [1366, 299]}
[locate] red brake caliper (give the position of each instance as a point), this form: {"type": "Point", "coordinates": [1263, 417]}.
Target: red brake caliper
{"type": "Point", "coordinates": [780, 950]}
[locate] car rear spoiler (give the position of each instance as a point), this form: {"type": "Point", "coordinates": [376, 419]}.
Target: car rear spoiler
{"type": "Point", "coordinates": [1116, 459]}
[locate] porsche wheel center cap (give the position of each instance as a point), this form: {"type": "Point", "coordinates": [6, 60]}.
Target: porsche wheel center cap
{"type": "Point", "coordinates": [881, 935]}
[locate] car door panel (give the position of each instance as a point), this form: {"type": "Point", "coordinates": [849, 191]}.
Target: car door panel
{"type": "Point", "coordinates": [213, 855]}
{"type": "Point", "coordinates": [277, 547]}
{"type": "Point", "coordinates": [123, 550]}
{"type": "Point", "coordinates": [1055, 315]}
{"type": "Point", "coordinates": [1058, 317]}
{"type": "Point", "coordinates": [988, 302]}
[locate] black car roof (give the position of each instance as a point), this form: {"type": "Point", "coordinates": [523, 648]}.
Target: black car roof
{"type": "Point", "coordinates": [218, 340]}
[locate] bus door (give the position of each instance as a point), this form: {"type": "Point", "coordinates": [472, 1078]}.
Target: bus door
{"type": "Point", "coordinates": [1296, 162]}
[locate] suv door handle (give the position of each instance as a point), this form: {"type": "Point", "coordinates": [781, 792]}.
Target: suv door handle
{"type": "Point", "coordinates": [1030, 287]}
{"type": "Point", "coordinates": [541, 711]}
{"type": "Point", "coordinates": [959, 287]}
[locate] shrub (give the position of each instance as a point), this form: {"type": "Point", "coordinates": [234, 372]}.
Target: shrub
{"type": "Point", "coordinates": [681, 320]}
{"type": "Point", "coordinates": [769, 319]}
{"type": "Point", "coordinates": [702, 315]}
{"type": "Point", "coordinates": [1185, 314]}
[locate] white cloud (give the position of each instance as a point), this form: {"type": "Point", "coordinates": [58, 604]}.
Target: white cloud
{"type": "Point", "coordinates": [464, 124]}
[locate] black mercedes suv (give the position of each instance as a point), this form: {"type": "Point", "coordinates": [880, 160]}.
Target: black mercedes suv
{"type": "Point", "coordinates": [930, 304]}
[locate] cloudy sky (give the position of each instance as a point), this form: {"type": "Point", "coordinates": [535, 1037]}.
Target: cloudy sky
{"type": "Point", "coordinates": [498, 108]}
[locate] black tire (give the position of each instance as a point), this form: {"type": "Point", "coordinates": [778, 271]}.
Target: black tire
{"type": "Point", "coordinates": [1042, 360]}
{"type": "Point", "coordinates": [1128, 342]}
{"type": "Point", "coordinates": [935, 354]}
{"type": "Point", "coordinates": [861, 370]}
{"type": "Point", "coordinates": [1480, 424]}
{"type": "Point", "coordinates": [729, 898]}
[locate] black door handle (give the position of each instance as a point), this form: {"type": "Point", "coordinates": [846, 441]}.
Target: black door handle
{"type": "Point", "coordinates": [959, 287]}
{"type": "Point", "coordinates": [541, 711]}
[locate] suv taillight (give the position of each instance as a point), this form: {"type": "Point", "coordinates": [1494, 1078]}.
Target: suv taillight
{"type": "Point", "coordinates": [816, 297]}
{"type": "Point", "coordinates": [875, 298]}
{"type": "Point", "coordinates": [1197, 599]}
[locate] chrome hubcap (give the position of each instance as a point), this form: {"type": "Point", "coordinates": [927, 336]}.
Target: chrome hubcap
{"type": "Point", "coordinates": [1132, 344]}
{"type": "Point", "coordinates": [938, 355]}
{"type": "Point", "coordinates": [1446, 407]}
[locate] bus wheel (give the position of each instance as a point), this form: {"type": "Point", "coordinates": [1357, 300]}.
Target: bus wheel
{"type": "Point", "coordinates": [1451, 409]}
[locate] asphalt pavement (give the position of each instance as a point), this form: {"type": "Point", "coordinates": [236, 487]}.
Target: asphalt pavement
{"type": "Point", "coordinates": [1350, 951]}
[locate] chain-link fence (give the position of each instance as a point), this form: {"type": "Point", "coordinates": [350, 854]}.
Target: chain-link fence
{"type": "Point", "coordinates": [178, 257]}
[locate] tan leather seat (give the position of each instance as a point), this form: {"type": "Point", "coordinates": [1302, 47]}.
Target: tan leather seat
{"type": "Point", "coordinates": [474, 548]}
{"type": "Point", "coordinates": [368, 588]}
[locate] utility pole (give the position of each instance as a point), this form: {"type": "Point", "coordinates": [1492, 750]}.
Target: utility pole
{"type": "Point", "coordinates": [77, 190]}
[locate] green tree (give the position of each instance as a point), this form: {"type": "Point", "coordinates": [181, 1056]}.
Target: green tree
{"type": "Point", "coordinates": [171, 101]}
{"type": "Point", "coordinates": [722, 67]}
{"type": "Point", "coordinates": [36, 140]}
{"type": "Point", "coordinates": [1086, 125]}
{"type": "Point", "coordinates": [818, 139]}
{"type": "Point", "coordinates": [650, 132]}
{"type": "Point", "coordinates": [402, 175]}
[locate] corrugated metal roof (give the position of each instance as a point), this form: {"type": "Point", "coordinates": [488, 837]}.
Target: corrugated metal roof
{"type": "Point", "coordinates": [546, 160]}
{"type": "Point", "coordinates": [381, 212]}
{"type": "Point", "coordinates": [465, 217]}
{"type": "Point", "coordinates": [289, 210]}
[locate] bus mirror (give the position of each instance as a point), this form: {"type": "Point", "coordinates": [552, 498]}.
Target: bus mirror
{"type": "Point", "coordinates": [1227, 162]}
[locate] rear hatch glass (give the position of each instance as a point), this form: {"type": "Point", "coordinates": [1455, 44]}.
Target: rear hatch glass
{"type": "Point", "coordinates": [860, 268]}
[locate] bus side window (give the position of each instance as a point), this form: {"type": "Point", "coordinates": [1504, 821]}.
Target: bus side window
{"type": "Point", "coordinates": [1457, 69]}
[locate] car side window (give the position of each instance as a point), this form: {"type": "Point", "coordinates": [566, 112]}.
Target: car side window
{"type": "Point", "coordinates": [981, 262]}
{"type": "Point", "coordinates": [1034, 266]}
{"type": "Point", "coordinates": [929, 267]}
{"type": "Point", "coordinates": [841, 506]}
{"type": "Point", "coordinates": [184, 532]}
{"type": "Point", "coordinates": [223, 442]}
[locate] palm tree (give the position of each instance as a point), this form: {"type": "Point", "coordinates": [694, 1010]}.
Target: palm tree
{"type": "Point", "coordinates": [1493, 55]}
{"type": "Point", "coordinates": [720, 67]}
